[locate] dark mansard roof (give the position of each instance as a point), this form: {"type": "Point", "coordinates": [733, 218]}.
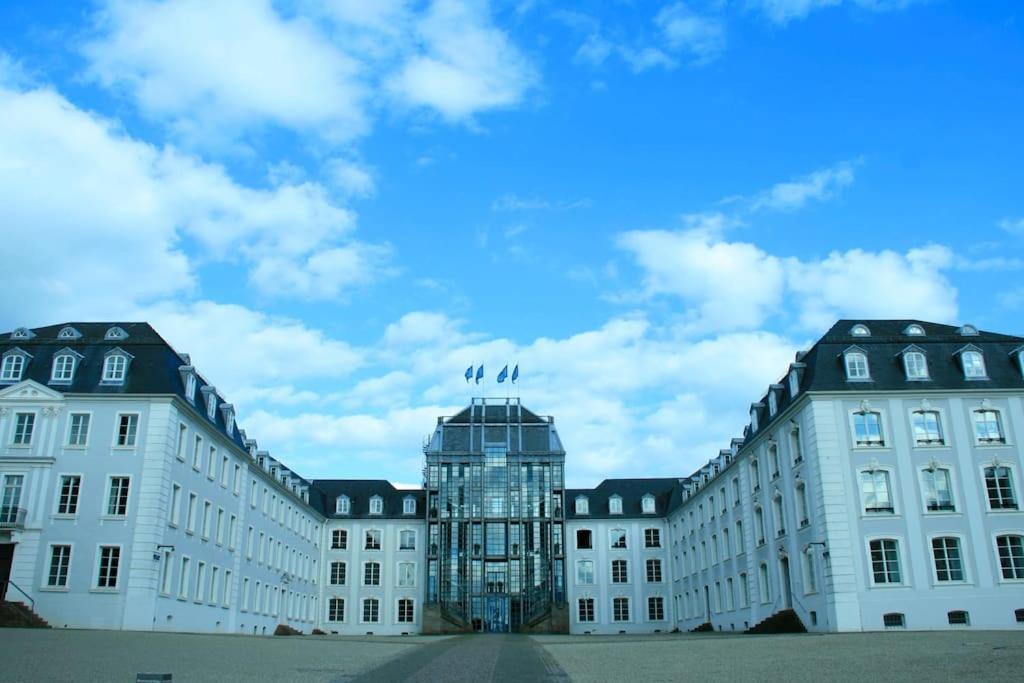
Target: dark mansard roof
{"type": "Point", "coordinates": [631, 491]}
{"type": "Point", "coordinates": [325, 492]}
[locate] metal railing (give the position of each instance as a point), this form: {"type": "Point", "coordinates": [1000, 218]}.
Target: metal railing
{"type": "Point", "coordinates": [12, 517]}
{"type": "Point", "coordinates": [9, 584]}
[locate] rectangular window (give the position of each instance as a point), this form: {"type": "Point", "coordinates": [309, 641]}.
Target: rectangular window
{"type": "Point", "coordinates": [190, 520]}
{"type": "Point", "coordinates": [237, 485]}
{"type": "Point", "coordinates": [620, 571]}
{"type": "Point", "coordinates": [406, 574]}
{"type": "Point", "coordinates": [197, 454]}
{"type": "Point", "coordinates": [60, 560]}
{"type": "Point", "coordinates": [406, 613]}
{"type": "Point", "coordinates": [200, 581]}
{"type": "Point", "coordinates": [214, 583]}
{"type": "Point", "coordinates": [165, 572]}
{"type": "Point", "coordinates": [585, 572]}
{"type": "Point", "coordinates": [67, 502]}
{"type": "Point", "coordinates": [1011, 556]}
{"type": "Point", "coordinates": [232, 527]}
{"type": "Point", "coordinates": [875, 490]}
{"type": "Point", "coordinates": [183, 578]}
{"type": "Point", "coordinates": [938, 491]}
{"type": "Point", "coordinates": [338, 573]}
{"type": "Point", "coordinates": [618, 539]}
{"type": "Point", "coordinates": [867, 429]}
{"type": "Point", "coordinates": [110, 561]}
{"type": "Point", "coordinates": [655, 609]}
{"type": "Point", "coordinates": [225, 468]}
{"type": "Point", "coordinates": [999, 485]}
{"type": "Point", "coordinates": [948, 561]}
{"type": "Point", "coordinates": [927, 428]}
{"type": "Point", "coordinates": [372, 539]}
{"type": "Point", "coordinates": [220, 527]}
{"type": "Point", "coordinates": [117, 501]}
{"type": "Point", "coordinates": [584, 539]}
{"type": "Point", "coordinates": [652, 538]}
{"type": "Point", "coordinates": [182, 443]}
{"type": "Point", "coordinates": [24, 425]}
{"type": "Point", "coordinates": [339, 539]}
{"type": "Point", "coordinates": [885, 561]}
{"type": "Point", "coordinates": [744, 591]}
{"type": "Point", "coordinates": [78, 434]}
{"type": "Point", "coordinates": [620, 609]}
{"type": "Point", "coordinates": [988, 427]}
{"type": "Point", "coordinates": [211, 463]}
{"type": "Point", "coordinates": [127, 429]}
{"type": "Point", "coordinates": [336, 609]}
{"type": "Point", "coordinates": [653, 571]}
{"type": "Point", "coordinates": [371, 611]}
{"type": "Point", "coordinates": [371, 574]}
{"type": "Point", "coordinates": [407, 540]}
{"type": "Point", "coordinates": [207, 518]}
{"type": "Point", "coordinates": [175, 504]}
{"type": "Point", "coordinates": [585, 610]}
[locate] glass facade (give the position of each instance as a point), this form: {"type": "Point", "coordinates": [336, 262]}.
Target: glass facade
{"type": "Point", "coordinates": [494, 481]}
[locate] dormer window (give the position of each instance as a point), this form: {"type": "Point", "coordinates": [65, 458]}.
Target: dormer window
{"type": "Point", "coordinates": [22, 333]}
{"type": "Point", "coordinates": [376, 505]}
{"type": "Point", "coordinates": [973, 364]}
{"type": "Point", "coordinates": [342, 505]}
{"type": "Point", "coordinates": [115, 367]}
{"type": "Point", "coordinates": [211, 401]}
{"type": "Point", "coordinates": [773, 404]}
{"type": "Point", "coordinates": [582, 505]}
{"type": "Point", "coordinates": [753, 420]}
{"type": "Point", "coordinates": [856, 362]}
{"type": "Point", "coordinates": [1018, 353]}
{"type": "Point", "coordinates": [968, 331]}
{"type": "Point", "coordinates": [409, 506]}
{"type": "Point", "coordinates": [647, 504]}
{"type": "Point", "coordinates": [914, 330]}
{"type": "Point", "coordinates": [115, 334]}
{"type": "Point", "coordinates": [69, 333]}
{"type": "Point", "coordinates": [615, 505]}
{"type": "Point", "coordinates": [13, 366]}
{"type": "Point", "coordinates": [228, 411]}
{"type": "Point", "coordinates": [860, 330]}
{"type": "Point", "coordinates": [188, 380]}
{"type": "Point", "coordinates": [64, 363]}
{"type": "Point", "coordinates": [915, 364]}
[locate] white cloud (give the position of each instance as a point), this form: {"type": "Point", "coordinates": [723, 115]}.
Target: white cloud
{"type": "Point", "coordinates": [352, 178]}
{"type": "Point", "coordinates": [1013, 226]}
{"type": "Point", "coordinates": [820, 185]}
{"type": "Point", "coordinates": [687, 31]}
{"type": "Point", "coordinates": [513, 202]}
{"type": "Point", "coordinates": [784, 11]}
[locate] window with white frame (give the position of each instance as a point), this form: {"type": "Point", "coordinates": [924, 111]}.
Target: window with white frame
{"type": "Point", "coordinates": [655, 608]}
{"type": "Point", "coordinates": [647, 504]}
{"type": "Point", "coordinates": [117, 498]}
{"type": "Point", "coordinates": [78, 429]}
{"type": "Point", "coordinates": [620, 609]}
{"type": "Point", "coordinates": [115, 368]}
{"type": "Point", "coordinates": [585, 610]}
{"type": "Point", "coordinates": [620, 571]}
{"type": "Point", "coordinates": [582, 505]}
{"type": "Point", "coordinates": [764, 586]}
{"type": "Point", "coordinates": [109, 565]}
{"type": "Point", "coordinates": [937, 486]}
{"type": "Point", "coordinates": [406, 611]}
{"type": "Point", "coordinates": [755, 475]}
{"type": "Point", "coordinates": [617, 539]}
{"type": "Point", "coordinates": [376, 505]}
{"type": "Point", "coordinates": [914, 330]}
{"type": "Point", "coordinates": [615, 505]}
{"type": "Point", "coordinates": [67, 499]}
{"type": "Point", "coordinates": [759, 525]}
{"type": "Point", "coordinates": [927, 425]}
{"type": "Point", "coordinates": [11, 498]}
{"type": "Point", "coordinates": [60, 561]}
{"type": "Point", "coordinates": [12, 368]}
{"type": "Point", "coordinates": [585, 572]}
{"type": "Point", "coordinates": [342, 505]}
{"type": "Point", "coordinates": [127, 429]}
{"type": "Point", "coordinates": [796, 449]}
{"type": "Point", "coordinates": [810, 571]}
{"type": "Point", "coordinates": [371, 610]}
{"type": "Point", "coordinates": [211, 403]}
{"type": "Point", "coordinates": [988, 426]}
{"type": "Point", "coordinates": [857, 366]}
{"type": "Point", "coordinates": [999, 486]}
{"type": "Point", "coordinates": [779, 515]}
{"type": "Point", "coordinates": [735, 491]}
{"type": "Point", "coordinates": [584, 539]}
{"type": "Point", "coordinates": [973, 364]}
{"type": "Point", "coordinates": [409, 506]}
{"type": "Point", "coordinates": [915, 365]}
{"type": "Point", "coordinates": [876, 492]}
{"type": "Point", "coordinates": [1010, 548]}
{"type": "Point", "coordinates": [24, 426]}
{"type": "Point", "coordinates": [407, 539]}
{"type": "Point", "coordinates": [860, 330]}
{"type": "Point", "coordinates": [652, 538]}
{"type": "Point", "coordinates": [406, 574]}
{"type": "Point", "coordinates": [336, 609]}
{"type": "Point", "coordinates": [867, 429]}
{"type": "Point", "coordinates": [63, 368]}
{"type": "Point", "coordinates": [372, 541]}
{"type": "Point", "coordinates": [802, 505]}
{"type": "Point", "coordinates": [339, 573]}
{"type": "Point", "coordinates": [371, 574]}
{"type": "Point", "coordinates": [653, 570]}
{"type": "Point", "coordinates": [884, 554]}
{"type": "Point", "coordinates": [773, 460]}
{"type": "Point", "coordinates": [949, 564]}
{"type": "Point", "coordinates": [794, 383]}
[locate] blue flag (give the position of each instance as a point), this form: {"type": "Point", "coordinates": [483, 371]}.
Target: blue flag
{"type": "Point", "coordinates": [515, 373]}
{"type": "Point", "coordinates": [503, 374]}
{"type": "Point", "coordinates": [469, 374]}
{"type": "Point", "coordinates": [479, 374]}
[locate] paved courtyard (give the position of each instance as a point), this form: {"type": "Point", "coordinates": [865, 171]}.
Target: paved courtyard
{"type": "Point", "coordinates": [59, 655]}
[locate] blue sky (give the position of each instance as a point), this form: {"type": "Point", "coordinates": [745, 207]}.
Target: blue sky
{"type": "Point", "coordinates": [336, 206]}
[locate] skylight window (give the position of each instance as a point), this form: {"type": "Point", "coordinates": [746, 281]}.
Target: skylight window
{"type": "Point", "coordinates": [860, 330]}
{"type": "Point", "coordinates": [69, 333]}
{"type": "Point", "coordinates": [115, 333]}
{"type": "Point", "coordinates": [914, 330]}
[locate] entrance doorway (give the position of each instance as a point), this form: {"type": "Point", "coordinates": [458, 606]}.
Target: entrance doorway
{"type": "Point", "coordinates": [787, 587]}
{"type": "Point", "coordinates": [495, 614]}
{"type": "Point", "coordinates": [6, 560]}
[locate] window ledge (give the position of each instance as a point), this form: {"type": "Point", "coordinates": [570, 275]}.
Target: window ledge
{"type": "Point", "coordinates": [76, 447]}
{"type": "Point", "coordinates": [114, 518]}
{"type": "Point", "coordinates": [22, 446]}
{"type": "Point", "coordinates": [104, 590]}
{"type": "Point", "coordinates": [65, 516]}
{"type": "Point", "coordinates": [54, 589]}
{"type": "Point", "coordinates": [122, 448]}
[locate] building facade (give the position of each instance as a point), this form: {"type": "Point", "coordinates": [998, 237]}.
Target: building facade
{"type": "Point", "coordinates": [876, 486]}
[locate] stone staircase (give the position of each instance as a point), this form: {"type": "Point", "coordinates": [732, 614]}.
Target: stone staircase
{"type": "Point", "coordinates": [18, 615]}
{"type": "Point", "coordinates": [785, 621]}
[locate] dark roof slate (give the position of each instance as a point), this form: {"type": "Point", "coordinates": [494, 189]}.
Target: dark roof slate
{"type": "Point", "coordinates": [632, 492]}
{"type": "Point", "coordinates": [324, 492]}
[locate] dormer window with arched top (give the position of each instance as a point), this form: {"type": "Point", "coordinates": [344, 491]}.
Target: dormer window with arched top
{"type": "Point", "coordinates": [22, 333]}
{"type": "Point", "coordinates": [914, 330]}
{"type": "Point", "coordinates": [615, 505]}
{"type": "Point", "coordinates": [376, 505]}
{"type": "Point", "coordinates": [115, 366]}
{"type": "Point", "coordinates": [647, 504]}
{"type": "Point", "coordinates": [13, 366]}
{"type": "Point", "coordinates": [915, 364]}
{"type": "Point", "coordinates": [856, 362]}
{"type": "Point", "coordinates": [342, 505]}
{"type": "Point", "coordinates": [408, 505]}
{"type": "Point", "coordinates": [115, 334]}
{"type": "Point", "coordinates": [973, 363]}
{"type": "Point", "coordinates": [860, 330]}
{"type": "Point", "coordinates": [968, 331]}
{"type": "Point", "coordinates": [64, 364]}
{"type": "Point", "coordinates": [69, 334]}
{"type": "Point", "coordinates": [582, 505]}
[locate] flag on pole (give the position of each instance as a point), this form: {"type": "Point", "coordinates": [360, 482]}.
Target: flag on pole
{"type": "Point", "coordinates": [515, 373]}
{"type": "Point", "coordinates": [479, 374]}
{"type": "Point", "coordinates": [469, 374]}
{"type": "Point", "coordinates": [503, 375]}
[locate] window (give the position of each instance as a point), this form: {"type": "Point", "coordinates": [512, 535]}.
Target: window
{"type": "Point", "coordinates": [1010, 548]}
{"type": "Point", "coordinates": [938, 491]}
{"type": "Point", "coordinates": [915, 364]}
{"type": "Point", "coordinates": [60, 560]}
{"type": "Point", "coordinates": [744, 590]}
{"type": "Point", "coordinates": [376, 505]}
{"type": "Point", "coordinates": [183, 578]}
{"type": "Point", "coordinates": [860, 330]}
{"type": "Point", "coordinates": [24, 425]}
{"type": "Point", "coordinates": [620, 609]}
{"type": "Point", "coordinates": [794, 383]}
{"type": "Point", "coordinates": [735, 491]}
{"type": "Point", "coordinates": [867, 428]}
{"type": "Point", "coordinates": [207, 510]}
{"type": "Point", "coordinates": [759, 525]}
{"type": "Point", "coordinates": [795, 447]}
{"type": "Point", "coordinates": [802, 506]}
{"type": "Point", "coordinates": [648, 505]}
{"type": "Point", "coordinates": [371, 574]}
{"type": "Point", "coordinates": [371, 610]}
{"type": "Point", "coordinates": [110, 561]}
{"type": "Point", "coordinates": [405, 611]}
{"type": "Point", "coordinates": [763, 584]}
{"type": "Point", "coordinates": [874, 485]}
{"type": "Point", "coordinates": [114, 368]}
{"type": "Point", "coordinates": [197, 454]}
{"type": "Point", "coordinates": [914, 330]}
{"type": "Point", "coordinates": [618, 539]}
{"type": "Point", "coordinates": [585, 610]}
{"type": "Point", "coordinates": [342, 505]}
{"type": "Point", "coordinates": [117, 501]}
{"type": "Point", "coordinates": [652, 538]}
{"type": "Point", "coordinates": [372, 540]}
{"type": "Point", "coordinates": [927, 428]}
{"type": "Point", "coordinates": [127, 428]}
{"type": "Point", "coordinates": [211, 463]}
{"type": "Point", "coordinates": [409, 506]}
{"type": "Point", "coordinates": [773, 460]}
{"type": "Point", "coordinates": [958, 617]}
{"type": "Point", "coordinates": [190, 520]}
{"type": "Point", "coordinates": [810, 571]}
{"type": "Point", "coordinates": [63, 368]}
{"type": "Point", "coordinates": [857, 366]}
{"type": "Point", "coordinates": [615, 505]}
{"type": "Point", "coordinates": [779, 516]}
{"type": "Point", "coordinates": [620, 571]}
{"type": "Point", "coordinates": [755, 475]}
{"type": "Point", "coordinates": [885, 561]}
{"type": "Point", "coordinates": [338, 573]}
{"type": "Point", "coordinates": [582, 506]}
{"type": "Point", "coordinates": [67, 501]}
{"type": "Point", "coordinates": [407, 539]}
{"type": "Point", "coordinates": [999, 485]}
{"type": "Point", "coordinates": [893, 620]}
{"type": "Point", "coordinates": [974, 365]}
{"type": "Point", "coordinates": [78, 429]}
{"type": "Point", "coordinates": [336, 609]}
{"type": "Point", "coordinates": [949, 564]}
{"type": "Point", "coordinates": [406, 574]}
{"type": "Point", "coordinates": [13, 366]}
{"type": "Point", "coordinates": [339, 539]}
{"type": "Point", "coordinates": [584, 572]}
{"type": "Point", "coordinates": [655, 608]}
{"type": "Point", "coordinates": [773, 404]}
{"type": "Point", "coordinates": [584, 539]}
{"type": "Point", "coordinates": [988, 427]}
{"type": "Point", "coordinates": [653, 571]}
